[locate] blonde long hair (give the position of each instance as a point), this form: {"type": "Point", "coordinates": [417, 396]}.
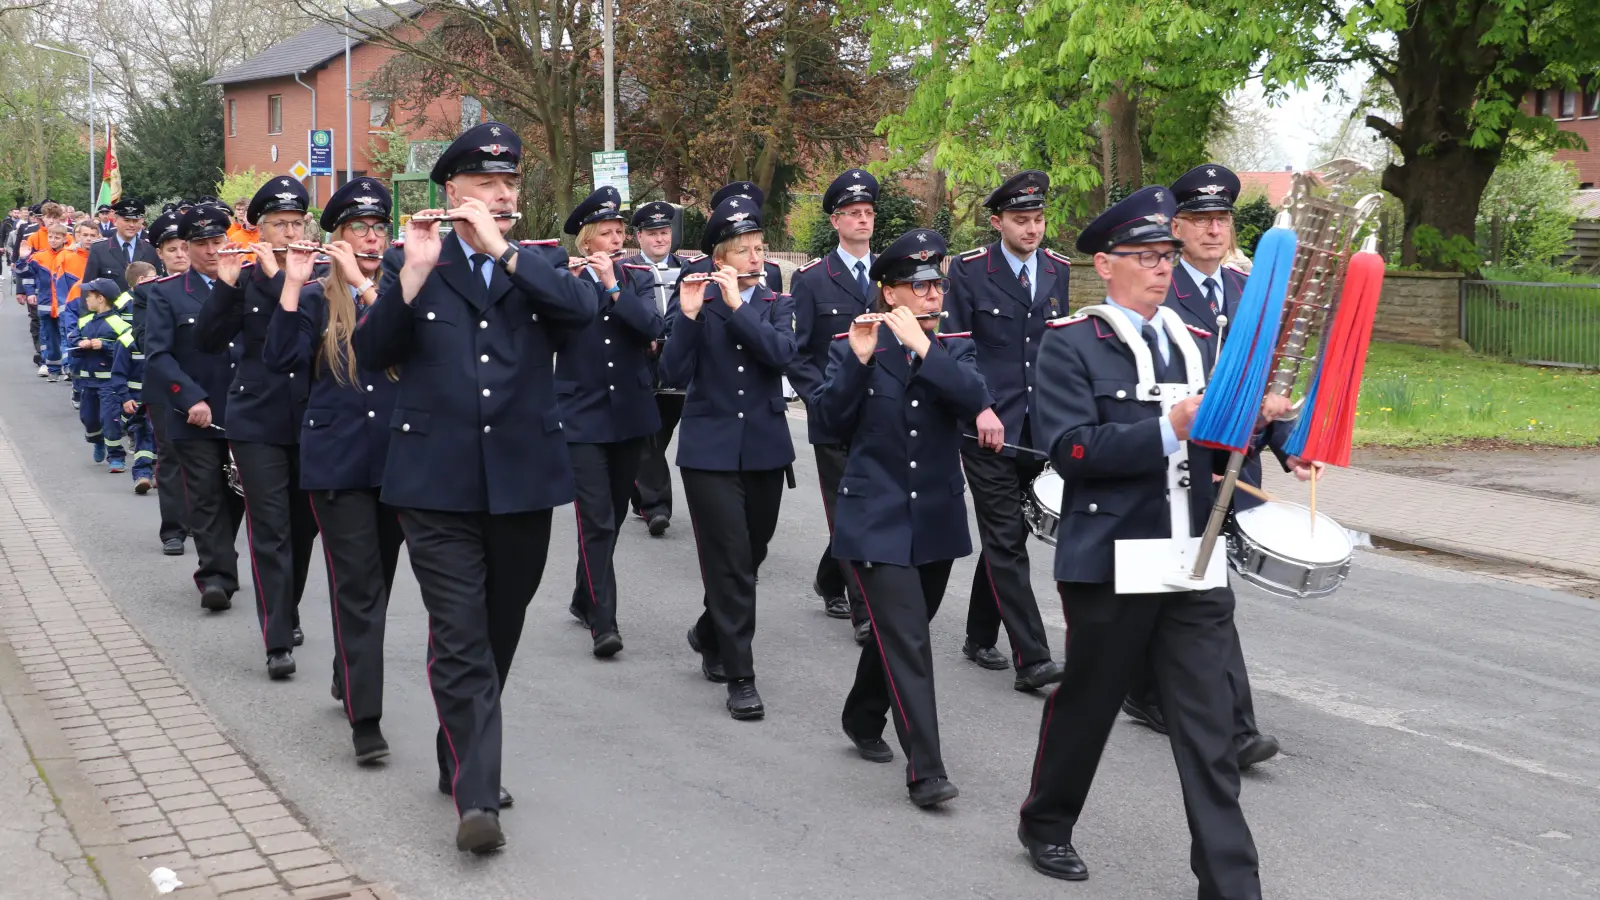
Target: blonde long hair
{"type": "Point", "coordinates": [341, 327]}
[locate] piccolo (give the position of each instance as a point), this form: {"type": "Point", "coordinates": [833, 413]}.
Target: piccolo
{"type": "Point", "coordinates": [513, 216]}
{"type": "Point", "coordinates": [369, 256]}
{"type": "Point", "coordinates": [697, 277]}
{"type": "Point", "coordinates": [879, 317]}
{"type": "Point", "coordinates": [307, 248]}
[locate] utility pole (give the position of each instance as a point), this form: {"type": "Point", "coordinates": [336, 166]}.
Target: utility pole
{"type": "Point", "coordinates": [349, 136]}
{"type": "Point", "coordinates": [610, 85]}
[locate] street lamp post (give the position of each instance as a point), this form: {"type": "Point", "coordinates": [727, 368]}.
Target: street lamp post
{"type": "Point", "coordinates": [90, 60]}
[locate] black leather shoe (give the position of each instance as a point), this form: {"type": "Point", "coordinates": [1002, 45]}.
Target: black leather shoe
{"type": "Point", "coordinates": [932, 791]}
{"type": "Point", "coordinates": [985, 657]}
{"type": "Point", "coordinates": [1256, 748]}
{"type": "Point", "coordinates": [506, 800]}
{"type": "Point", "coordinates": [658, 525]}
{"type": "Point", "coordinates": [863, 631]}
{"type": "Point", "coordinates": [214, 599]}
{"type": "Point", "coordinates": [710, 666]}
{"type": "Point", "coordinates": [1038, 675]}
{"type": "Point", "coordinates": [479, 832]}
{"type": "Point", "coordinates": [871, 749]}
{"type": "Point", "coordinates": [1055, 860]}
{"type": "Point", "coordinates": [607, 645]}
{"type": "Point", "coordinates": [337, 690]}
{"type": "Point", "coordinates": [743, 701]}
{"type": "Point", "coordinates": [1145, 712]}
{"type": "Point", "coordinates": [577, 612]}
{"type": "Point", "coordinates": [369, 743]}
{"type": "Point", "coordinates": [172, 546]}
{"type": "Point", "coordinates": [836, 607]}
{"type": "Point", "coordinates": [280, 664]}
{"type": "Point", "coordinates": [299, 636]}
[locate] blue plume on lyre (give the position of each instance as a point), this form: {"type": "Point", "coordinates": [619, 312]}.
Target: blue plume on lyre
{"type": "Point", "coordinates": [1232, 401]}
{"type": "Point", "coordinates": [1296, 444]}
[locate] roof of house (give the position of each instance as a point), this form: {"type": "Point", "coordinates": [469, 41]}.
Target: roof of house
{"type": "Point", "coordinates": [310, 48]}
{"type": "Point", "coordinates": [1275, 185]}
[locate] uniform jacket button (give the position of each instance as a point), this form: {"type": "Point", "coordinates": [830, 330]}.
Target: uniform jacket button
{"type": "Point", "coordinates": [995, 311]}
{"type": "Point", "coordinates": [869, 392]}
{"type": "Point", "coordinates": [485, 429]}
{"type": "Point", "coordinates": [741, 392]}
{"type": "Point", "coordinates": [483, 323]}
{"type": "Point", "coordinates": [406, 427]}
{"type": "Point", "coordinates": [314, 421]}
{"type": "Point", "coordinates": [369, 388]}
{"type": "Point", "coordinates": [741, 415]}
{"type": "Point", "coordinates": [483, 358]}
{"type": "Point", "coordinates": [1094, 508]}
{"type": "Point", "coordinates": [605, 318]}
{"type": "Point", "coordinates": [430, 317]}
{"type": "Point", "coordinates": [608, 340]}
{"type": "Point", "coordinates": [844, 490]}
{"type": "Point", "coordinates": [913, 495]}
{"type": "Point", "coordinates": [371, 414]}
{"type": "Point", "coordinates": [913, 404]}
{"type": "Point", "coordinates": [255, 309]}
{"type": "Point", "coordinates": [741, 368]}
{"type": "Point", "coordinates": [486, 392]}
{"type": "Point", "coordinates": [913, 432]}
{"type": "Point", "coordinates": [913, 464]}
{"type": "Point", "coordinates": [833, 312]}
{"type": "Point", "coordinates": [1122, 395]}
{"type": "Point", "coordinates": [738, 346]}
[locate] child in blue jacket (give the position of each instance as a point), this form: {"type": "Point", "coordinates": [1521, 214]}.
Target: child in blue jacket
{"type": "Point", "coordinates": [99, 331]}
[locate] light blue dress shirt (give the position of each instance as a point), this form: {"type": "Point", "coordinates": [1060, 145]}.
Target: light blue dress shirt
{"type": "Point", "coordinates": [850, 261]}
{"type": "Point", "coordinates": [1169, 436]}
{"type": "Point", "coordinates": [1200, 280]}
{"type": "Point", "coordinates": [488, 269]}
{"type": "Point", "coordinates": [1017, 265]}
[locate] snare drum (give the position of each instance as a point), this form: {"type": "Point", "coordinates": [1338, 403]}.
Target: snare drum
{"type": "Point", "coordinates": [1273, 547]}
{"type": "Point", "coordinates": [1041, 505]}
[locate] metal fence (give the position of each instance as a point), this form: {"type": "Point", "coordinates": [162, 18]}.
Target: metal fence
{"type": "Point", "coordinates": [1531, 322]}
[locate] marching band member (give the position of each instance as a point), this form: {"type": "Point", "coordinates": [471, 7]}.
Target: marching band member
{"type": "Point", "coordinates": [652, 487]}
{"type": "Point", "coordinates": [1205, 293]}
{"type": "Point", "coordinates": [344, 442]}
{"type": "Point", "coordinates": [123, 246]}
{"type": "Point", "coordinates": [608, 407]}
{"type": "Point", "coordinates": [748, 196]}
{"type": "Point", "coordinates": [265, 409]}
{"type": "Point", "coordinates": [1002, 294]}
{"type": "Point", "coordinates": [730, 341]}
{"type": "Point", "coordinates": [899, 395]}
{"type": "Point", "coordinates": [195, 384]}
{"type": "Point", "coordinates": [172, 254]}
{"type": "Point", "coordinates": [477, 459]}
{"type": "Point", "coordinates": [1112, 448]}
{"type": "Point", "coordinates": [828, 294]}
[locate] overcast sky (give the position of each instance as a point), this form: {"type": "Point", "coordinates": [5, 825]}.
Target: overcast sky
{"type": "Point", "coordinates": [1306, 119]}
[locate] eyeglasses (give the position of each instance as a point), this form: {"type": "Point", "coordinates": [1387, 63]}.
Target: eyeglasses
{"type": "Point", "coordinates": [1148, 258]}
{"type": "Point", "coordinates": [286, 225]}
{"type": "Point", "coordinates": [861, 214]}
{"type": "Point", "coordinates": [923, 288]}
{"type": "Point", "coordinates": [1206, 223]}
{"type": "Point", "coordinates": [360, 229]}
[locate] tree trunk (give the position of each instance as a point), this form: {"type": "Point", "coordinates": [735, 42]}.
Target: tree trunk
{"type": "Point", "coordinates": [1122, 157]}
{"type": "Point", "coordinates": [782, 120]}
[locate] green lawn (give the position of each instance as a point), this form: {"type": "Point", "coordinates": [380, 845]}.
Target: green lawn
{"type": "Point", "coordinates": [1417, 396]}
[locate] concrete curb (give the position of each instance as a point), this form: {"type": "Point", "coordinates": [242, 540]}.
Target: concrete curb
{"type": "Point", "coordinates": [91, 822]}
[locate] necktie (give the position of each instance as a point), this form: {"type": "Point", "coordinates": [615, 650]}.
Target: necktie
{"type": "Point", "coordinates": [479, 260]}
{"type": "Point", "coordinates": [861, 279]}
{"type": "Point", "coordinates": [129, 247]}
{"type": "Point", "coordinates": [1211, 295]}
{"type": "Point", "coordinates": [1027, 284]}
{"type": "Point", "coordinates": [1164, 370]}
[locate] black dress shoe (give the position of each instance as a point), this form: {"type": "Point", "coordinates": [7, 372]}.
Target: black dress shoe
{"type": "Point", "coordinates": [863, 631]}
{"type": "Point", "coordinates": [299, 636]}
{"type": "Point", "coordinates": [836, 607]}
{"type": "Point", "coordinates": [280, 664]}
{"type": "Point", "coordinates": [607, 645]}
{"type": "Point", "coordinates": [479, 832]}
{"type": "Point", "coordinates": [743, 701]}
{"type": "Point", "coordinates": [658, 525]}
{"type": "Point", "coordinates": [337, 689]}
{"type": "Point", "coordinates": [1038, 675]}
{"type": "Point", "coordinates": [710, 666]}
{"type": "Point", "coordinates": [932, 791]}
{"type": "Point", "coordinates": [1055, 860]}
{"type": "Point", "coordinates": [172, 546]}
{"type": "Point", "coordinates": [369, 743]}
{"type": "Point", "coordinates": [1257, 748]}
{"type": "Point", "coordinates": [1145, 712]}
{"type": "Point", "coordinates": [871, 749]}
{"type": "Point", "coordinates": [577, 612]}
{"type": "Point", "coordinates": [985, 657]}
{"type": "Point", "coordinates": [215, 599]}
{"type": "Point", "coordinates": [506, 800]}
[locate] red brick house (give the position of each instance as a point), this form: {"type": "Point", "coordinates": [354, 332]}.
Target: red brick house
{"type": "Point", "coordinates": [273, 99]}
{"type": "Point", "coordinates": [1579, 113]}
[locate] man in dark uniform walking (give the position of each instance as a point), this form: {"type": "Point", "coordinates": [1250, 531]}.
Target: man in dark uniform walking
{"type": "Point", "coordinates": [478, 458]}
{"type": "Point", "coordinates": [1122, 455]}
{"type": "Point", "coordinates": [652, 488]}
{"type": "Point", "coordinates": [1003, 294]}
{"type": "Point", "coordinates": [172, 258]}
{"type": "Point", "coordinates": [196, 385]}
{"type": "Point", "coordinates": [829, 293]}
{"type": "Point", "coordinates": [123, 247]}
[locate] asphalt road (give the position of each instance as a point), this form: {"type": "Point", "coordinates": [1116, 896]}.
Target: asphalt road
{"type": "Point", "coordinates": [1439, 730]}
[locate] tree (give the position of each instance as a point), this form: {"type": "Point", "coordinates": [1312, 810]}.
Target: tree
{"type": "Point", "coordinates": [1527, 210]}
{"type": "Point", "coordinates": [1243, 139]}
{"type": "Point", "coordinates": [172, 146]}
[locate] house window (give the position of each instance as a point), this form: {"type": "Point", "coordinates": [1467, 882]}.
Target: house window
{"type": "Point", "coordinates": [233, 121]}
{"type": "Point", "coordinates": [1569, 104]}
{"type": "Point", "coordinates": [1591, 103]}
{"type": "Point", "coordinates": [377, 113]}
{"type": "Point", "coordinates": [471, 112]}
{"type": "Point", "coordinates": [275, 114]}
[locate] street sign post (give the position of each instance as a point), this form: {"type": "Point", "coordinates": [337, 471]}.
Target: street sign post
{"type": "Point", "coordinates": [611, 167]}
{"type": "Point", "coordinates": [319, 143]}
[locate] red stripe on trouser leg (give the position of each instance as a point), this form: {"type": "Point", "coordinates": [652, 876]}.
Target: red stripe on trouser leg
{"type": "Point", "coordinates": [333, 603]}
{"type": "Point", "coordinates": [883, 658]}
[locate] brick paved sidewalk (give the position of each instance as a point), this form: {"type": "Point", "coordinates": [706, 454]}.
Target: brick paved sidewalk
{"type": "Point", "coordinates": [1536, 531]}
{"type": "Point", "coordinates": [180, 791]}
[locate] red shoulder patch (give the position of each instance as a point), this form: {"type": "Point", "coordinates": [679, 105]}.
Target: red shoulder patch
{"type": "Point", "coordinates": [1066, 320]}
{"type": "Point", "coordinates": [809, 264]}
{"type": "Point", "coordinates": [971, 255]}
{"type": "Point", "coordinates": [1199, 331]}
{"type": "Point", "coordinates": [954, 334]}
{"type": "Point", "coordinates": [636, 266]}
{"type": "Point", "coordinates": [544, 242]}
{"type": "Point", "coordinates": [1057, 256]}
{"type": "Point", "coordinates": [169, 277]}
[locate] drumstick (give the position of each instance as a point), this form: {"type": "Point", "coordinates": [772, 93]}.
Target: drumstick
{"type": "Point", "coordinates": [1255, 492]}
{"type": "Point", "coordinates": [1313, 502]}
{"type": "Point", "coordinates": [1039, 453]}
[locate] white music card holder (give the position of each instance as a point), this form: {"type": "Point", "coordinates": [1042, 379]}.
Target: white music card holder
{"type": "Point", "coordinates": [1163, 565]}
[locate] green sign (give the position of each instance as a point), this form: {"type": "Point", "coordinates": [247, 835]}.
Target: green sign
{"type": "Point", "coordinates": [611, 167]}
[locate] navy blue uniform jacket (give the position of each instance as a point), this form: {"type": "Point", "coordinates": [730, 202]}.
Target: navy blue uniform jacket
{"type": "Point", "coordinates": [177, 366]}
{"type": "Point", "coordinates": [344, 441]}
{"type": "Point", "coordinates": [732, 364]}
{"type": "Point", "coordinates": [603, 378]}
{"type": "Point", "coordinates": [988, 301]}
{"type": "Point", "coordinates": [263, 406]}
{"type": "Point", "coordinates": [476, 427]}
{"type": "Point", "coordinates": [107, 260]}
{"type": "Point", "coordinates": [1106, 444]}
{"type": "Point", "coordinates": [902, 499]}
{"type": "Point", "coordinates": [826, 299]}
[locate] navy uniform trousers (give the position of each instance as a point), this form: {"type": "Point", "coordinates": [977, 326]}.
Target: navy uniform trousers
{"type": "Point", "coordinates": [1186, 635]}
{"type": "Point", "coordinates": [834, 577]}
{"type": "Point", "coordinates": [282, 531]}
{"type": "Point", "coordinates": [604, 476]}
{"type": "Point", "coordinates": [214, 510]}
{"type": "Point", "coordinates": [652, 486]}
{"type": "Point", "coordinates": [895, 672]}
{"type": "Point", "coordinates": [361, 540]}
{"type": "Point", "coordinates": [1002, 588]}
{"type": "Point", "coordinates": [735, 515]}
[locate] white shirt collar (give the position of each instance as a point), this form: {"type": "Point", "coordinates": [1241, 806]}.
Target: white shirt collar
{"type": "Point", "coordinates": [1139, 321]}
{"type": "Point", "coordinates": [850, 261]}
{"type": "Point", "coordinates": [1199, 276]}
{"type": "Point", "coordinates": [747, 293]}
{"type": "Point", "coordinates": [1017, 262]}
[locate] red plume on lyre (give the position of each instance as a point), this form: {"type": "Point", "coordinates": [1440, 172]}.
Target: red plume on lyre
{"type": "Point", "coordinates": [1329, 415]}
